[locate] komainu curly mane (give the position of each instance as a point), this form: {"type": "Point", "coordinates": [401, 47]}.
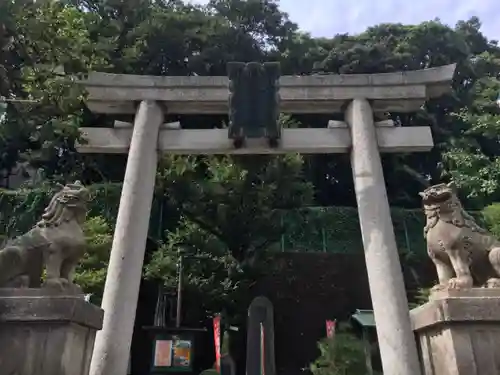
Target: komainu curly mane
{"type": "Point", "coordinates": [464, 253]}
{"type": "Point", "coordinates": [63, 204]}
{"type": "Point", "coordinates": [450, 210]}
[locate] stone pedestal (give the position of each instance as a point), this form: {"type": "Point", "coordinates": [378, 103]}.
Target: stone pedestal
{"type": "Point", "coordinates": [459, 332]}
{"type": "Point", "coordinates": [44, 334]}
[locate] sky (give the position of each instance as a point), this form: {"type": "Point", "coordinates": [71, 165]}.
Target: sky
{"type": "Point", "coordinates": [329, 17]}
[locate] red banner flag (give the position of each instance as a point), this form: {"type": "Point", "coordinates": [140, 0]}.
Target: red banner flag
{"type": "Point", "coordinates": [330, 328]}
{"type": "Point", "coordinates": [217, 341]}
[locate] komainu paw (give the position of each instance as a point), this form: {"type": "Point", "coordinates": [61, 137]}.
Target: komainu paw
{"type": "Point", "coordinates": [493, 283]}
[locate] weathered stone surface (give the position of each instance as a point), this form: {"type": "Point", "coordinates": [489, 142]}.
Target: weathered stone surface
{"type": "Point", "coordinates": [398, 92]}
{"type": "Point", "coordinates": [56, 242]}
{"type": "Point", "coordinates": [46, 335]}
{"type": "Point", "coordinates": [227, 365]}
{"type": "Point", "coordinates": [465, 255]}
{"type": "Point", "coordinates": [215, 141]}
{"type": "Point", "coordinates": [260, 315]}
{"type": "Point", "coordinates": [459, 332]}
{"type": "Point", "coordinates": [121, 292]}
{"type": "Point", "coordinates": [390, 305]}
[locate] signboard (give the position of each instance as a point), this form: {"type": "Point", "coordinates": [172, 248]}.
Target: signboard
{"type": "Point", "coordinates": [172, 353]}
{"type": "Point", "coordinates": [182, 353]}
{"type": "Point", "coordinates": [163, 353]}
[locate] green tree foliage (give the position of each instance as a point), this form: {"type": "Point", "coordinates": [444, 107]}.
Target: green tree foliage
{"type": "Point", "coordinates": [45, 46]}
{"type": "Point", "coordinates": [176, 38]}
{"type": "Point", "coordinates": [491, 216]}
{"type": "Point", "coordinates": [466, 148]}
{"type": "Point", "coordinates": [342, 354]}
{"type": "Point", "coordinates": [237, 200]}
{"type": "Point", "coordinates": [211, 276]}
{"type": "Point", "coordinates": [230, 206]}
{"type": "Point", "coordinates": [473, 157]}
{"type": "Point", "coordinates": [91, 272]}
{"type": "Point", "coordinates": [231, 212]}
{"type": "Point", "coordinates": [420, 298]}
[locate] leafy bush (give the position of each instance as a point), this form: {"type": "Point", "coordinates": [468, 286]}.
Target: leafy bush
{"type": "Point", "coordinates": [211, 276]}
{"type": "Point", "coordinates": [341, 355]}
{"type": "Point", "coordinates": [91, 272]}
{"type": "Point", "coordinates": [491, 215]}
{"type": "Point", "coordinates": [421, 297]}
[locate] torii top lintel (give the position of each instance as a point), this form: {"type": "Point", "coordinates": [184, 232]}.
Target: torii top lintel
{"type": "Point", "coordinates": [402, 91]}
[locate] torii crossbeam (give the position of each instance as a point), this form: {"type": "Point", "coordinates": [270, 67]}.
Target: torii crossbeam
{"type": "Point", "coordinates": [358, 96]}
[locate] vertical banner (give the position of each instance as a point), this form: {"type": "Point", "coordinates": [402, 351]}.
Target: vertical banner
{"type": "Point", "coordinates": [330, 328]}
{"type": "Point", "coordinates": [217, 341]}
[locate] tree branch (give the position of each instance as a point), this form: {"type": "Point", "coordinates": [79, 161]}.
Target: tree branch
{"type": "Point", "coordinates": [416, 175]}
{"type": "Point", "coordinates": [191, 216]}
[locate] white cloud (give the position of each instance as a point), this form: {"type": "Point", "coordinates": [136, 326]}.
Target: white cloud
{"type": "Point", "coordinates": [329, 17]}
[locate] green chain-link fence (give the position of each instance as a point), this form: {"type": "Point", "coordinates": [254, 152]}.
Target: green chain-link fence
{"type": "Point", "coordinates": [331, 229]}
{"type": "Point", "coordinates": [336, 229]}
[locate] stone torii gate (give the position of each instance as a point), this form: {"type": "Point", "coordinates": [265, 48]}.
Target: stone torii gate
{"type": "Point", "coordinates": [358, 96]}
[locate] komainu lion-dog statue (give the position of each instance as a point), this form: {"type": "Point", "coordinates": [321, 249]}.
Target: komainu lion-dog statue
{"type": "Point", "coordinates": [465, 255]}
{"type": "Point", "coordinates": [56, 243]}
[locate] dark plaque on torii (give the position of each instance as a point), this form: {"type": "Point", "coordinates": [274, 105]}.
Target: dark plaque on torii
{"type": "Point", "coordinates": [254, 102]}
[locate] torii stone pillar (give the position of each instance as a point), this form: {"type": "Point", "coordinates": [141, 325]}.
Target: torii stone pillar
{"type": "Point", "coordinates": [387, 92]}
{"type": "Point", "coordinates": [390, 305]}
{"type": "Point", "coordinates": [121, 291]}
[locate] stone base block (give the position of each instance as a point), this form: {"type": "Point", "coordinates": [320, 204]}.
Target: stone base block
{"type": "Point", "coordinates": [44, 334]}
{"type": "Point", "coordinates": [458, 332]}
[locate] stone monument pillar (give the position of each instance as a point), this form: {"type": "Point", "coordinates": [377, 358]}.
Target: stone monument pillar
{"type": "Point", "coordinates": [47, 329]}
{"type": "Point", "coordinates": [260, 338]}
{"type": "Point", "coordinates": [390, 306]}
{"type": "Point", "coordinates": [123, 280]}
